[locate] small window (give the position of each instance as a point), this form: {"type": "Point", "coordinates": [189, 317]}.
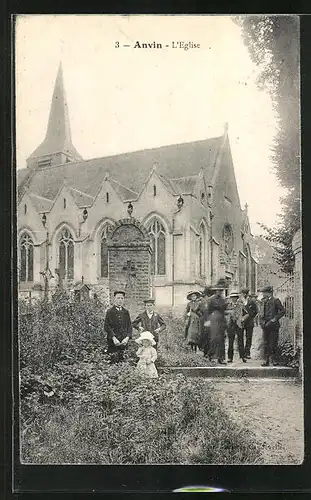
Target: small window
{"type": "Point", "coordinates": [154, 190]}
{"type": "Point", "coordinates": [25, 209]}
{"type": "Point", "coordinates": [65, 203]}
{"type": "Point", "coordinates": [202, 196]}
{"type": "Point", "coordinates": [107, 197]}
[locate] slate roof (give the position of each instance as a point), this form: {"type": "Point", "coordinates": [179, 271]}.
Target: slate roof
{"type": "Point", "coordinates": [81, 199]}
{"type": "Point", "coordinates": [185, 185]}
{"type": "Point", "coordinates": [41, 204]}
{"type": "Point", "coordinates": [128, 169]}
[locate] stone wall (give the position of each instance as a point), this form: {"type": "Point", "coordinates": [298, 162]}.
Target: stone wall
{"type": "Point", "coordinates": [129, 255]}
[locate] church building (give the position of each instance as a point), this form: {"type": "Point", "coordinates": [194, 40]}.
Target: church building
{"type": "Point", "coordinates": [182, 199]}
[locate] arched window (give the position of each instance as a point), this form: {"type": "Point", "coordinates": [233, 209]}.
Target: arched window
{"type": "Point", "coordinates": [248, 266]}
{"type": "Point", "coordinates": [26, 258]}
{"type": "Point", "coordinates": [202, 252]}
{"type": "Point", "coordinates": [66, 254]}
{"type": "Point", "coordinates": [104, 252]}
{"type": "Point", "coordinates": [158, 244]}
{"type": "Point", "coordinates": [154, 190]}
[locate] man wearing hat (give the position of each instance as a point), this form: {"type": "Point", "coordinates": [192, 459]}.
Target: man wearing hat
{"type": "Point", "coordinates": [149, 320]}
{"type": "Point", "coordinates": [235, 315]}
{"type": "Point", "coordinates": [250, 310]}
{"type": "Point", "coordinates": [118, 327]}
{"type": "Point", "coordinates": [271, 312]}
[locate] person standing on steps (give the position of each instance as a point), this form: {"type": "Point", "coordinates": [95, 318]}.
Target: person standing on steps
{"type": "Point", "coordinates": [204, 320]}
{"type": "Point", "coordinates": [217, 323]}
{"type": "Point", "coordinates": [118, 327]}
{"type": "Point", "coordinates": [250, 310]}
{"type": "Point", "coordinates": [235, 315]}
{"type": "Point", "coordinates": [192, 320]}
{"type": "Point", "coordinates": [150, 321]}
{"type": "Point", "coordinates": [271, 311]}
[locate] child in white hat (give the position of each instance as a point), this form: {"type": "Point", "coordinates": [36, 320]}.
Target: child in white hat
{"type": "Point", "coordinates": [147, 355]}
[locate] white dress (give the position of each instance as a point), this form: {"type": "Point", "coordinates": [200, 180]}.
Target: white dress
{"type": "Point", "coordinates": [147, 369]}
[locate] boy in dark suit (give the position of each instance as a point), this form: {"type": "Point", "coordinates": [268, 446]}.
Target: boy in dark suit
{"type": "Point", "coordinates": [149, 321]}
{"type": "Point", "coordinates": [118, 328]}
{"type": "Point", "coordinates": [271, 312]}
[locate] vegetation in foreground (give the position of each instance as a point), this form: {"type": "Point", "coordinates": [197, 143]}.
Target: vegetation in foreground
{"type": "Point", "coordinates": [76, 408]}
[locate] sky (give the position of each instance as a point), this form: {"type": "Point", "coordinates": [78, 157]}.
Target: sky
{"type": "Point", "coordinates": [125, 99]}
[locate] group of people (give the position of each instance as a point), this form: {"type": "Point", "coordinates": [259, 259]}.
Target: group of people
{"type": "Point", "coordinates": [119, 329]}
{"type": "Point", "coordinates": [209, 315]}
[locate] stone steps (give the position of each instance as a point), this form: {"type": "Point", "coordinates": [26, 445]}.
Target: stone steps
{"type": "Point", "coordinates": [272, 372]}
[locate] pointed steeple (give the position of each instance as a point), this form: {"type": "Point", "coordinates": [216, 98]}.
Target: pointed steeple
{"type": "Point", "coordinates": [57, 146]}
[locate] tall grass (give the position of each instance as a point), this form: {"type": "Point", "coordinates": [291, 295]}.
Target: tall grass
{"type": "Point", "coordinates": [94, 412]}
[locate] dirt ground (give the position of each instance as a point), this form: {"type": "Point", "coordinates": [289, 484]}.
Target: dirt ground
{"type": "Point", "coordinates": [272, 410]}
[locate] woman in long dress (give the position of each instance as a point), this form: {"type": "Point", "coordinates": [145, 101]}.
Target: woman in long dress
{"type": "Point", "coordinates": [204, 320]}
{"type": "Point", "coordinates": [192, 320]}
{"type": "Point", "coordinates": [217, 324]}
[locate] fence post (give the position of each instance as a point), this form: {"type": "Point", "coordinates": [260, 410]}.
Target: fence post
{"type": "Point", "coordinates": [298, 314]}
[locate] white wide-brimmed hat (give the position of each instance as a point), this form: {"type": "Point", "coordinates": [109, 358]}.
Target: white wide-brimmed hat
{"type": "Point", "coordinates": [146, 336]}
{"type": "Point", "coordinates": [234, 293]}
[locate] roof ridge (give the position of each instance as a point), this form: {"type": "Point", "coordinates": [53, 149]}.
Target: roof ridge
{"type": "Point", "coordinates": [81, 192]}
{"type": "Point", "coordinates": [42, 197]}
{"type": "Point", "coordinates": [122, 185]}
{"type": "Point", "coordinates": [184, 177]}
{"type": "Point", "coordinates": [98, 158]}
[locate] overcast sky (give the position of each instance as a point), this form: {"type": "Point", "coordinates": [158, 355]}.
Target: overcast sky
{"type": "Point", "coordinates": [125, 99]}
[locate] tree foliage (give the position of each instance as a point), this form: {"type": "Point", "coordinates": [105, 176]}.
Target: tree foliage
{"type": "Point", "coordinates": [273, 44]}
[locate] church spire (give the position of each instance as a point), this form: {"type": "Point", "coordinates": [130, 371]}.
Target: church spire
{"type": "Point", "coordinates": [57, 146]}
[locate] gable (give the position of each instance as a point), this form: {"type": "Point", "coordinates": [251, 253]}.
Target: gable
{"type": "Point", "coordinates": [225, 182]}
{"type": "Point", "coordinates": [28, 217]}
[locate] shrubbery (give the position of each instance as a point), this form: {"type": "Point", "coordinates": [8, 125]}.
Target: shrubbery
{"type": "Point", "coordinates": [77, 408]}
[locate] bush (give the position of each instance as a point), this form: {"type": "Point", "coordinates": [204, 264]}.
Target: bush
{"type": "Point", "coordinates": [51, 331]}
{"type": "Point", "coordinates": [173, 349]}
{"type": "Point", "coordinates": [287, 355]}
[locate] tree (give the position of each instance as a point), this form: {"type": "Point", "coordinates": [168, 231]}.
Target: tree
{"type": "Point", "coordinates": [273, 43]}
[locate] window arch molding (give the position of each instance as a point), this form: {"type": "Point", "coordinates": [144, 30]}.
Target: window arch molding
{"type": "Point", "coordinates": [65, 251]}
{"type": "Point", "coordinates": [26, 256]}
{"type": "Point", "coordinates": [203, 236]}
{"type": "Point", "coordinates": [158, 231]}
{"type": "Point", "coordinates": [102, 248]}
{"type": "Point", "coordinates": [147, 219]}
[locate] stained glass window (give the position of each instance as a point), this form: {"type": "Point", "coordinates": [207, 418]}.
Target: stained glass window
{"type": "Point", "coordinates": [202, 252]}
{"type": "Point", "coordinates": [66, 254]}
{"type": "Point", "coordinates": [158, 244]}
{"type": "Point", "coordinates": [26, 258]}
{"type": "Point", "coordinates": [104, 252]}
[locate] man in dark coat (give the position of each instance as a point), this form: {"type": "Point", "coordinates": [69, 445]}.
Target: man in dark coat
{"type": "Point", "coordinates": [271, 312]}
{"type": "Point", "coordinates": [150, 321]}
{"type": "Point", "coordinates": [118, 327]}
{"type": "Point", "coordinates": [250, 310]}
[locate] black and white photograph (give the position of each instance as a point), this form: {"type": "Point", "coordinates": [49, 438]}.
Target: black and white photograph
{"type": "Point", "coordinates": [158, 242]}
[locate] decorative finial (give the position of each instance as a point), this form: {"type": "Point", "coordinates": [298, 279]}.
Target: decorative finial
{"type": "Point", "coordinates": [43, 219]}
{"type": "Point", "coordinates": [82, 280]}
{"type": "Point", "coordinates": [155, 166]}
{"type": "Point", "coordinates": [246, 207]}
{"type": "Point", "coordinates": [130, 209]}
{"type": "Point", "coordinates": [180, 203]}
{"type": "Point", "coordinates": [226, 127]}
{"type": "Point", "coordinates": [85, 214]}
{"type": "Point", "coordinates": [107, 175]}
